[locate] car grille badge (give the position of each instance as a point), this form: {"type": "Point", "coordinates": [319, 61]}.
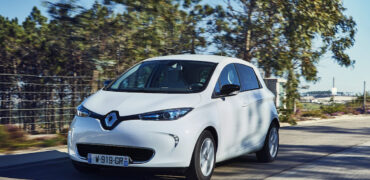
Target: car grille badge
{"type": "Point", "coordinates": [110, 119]}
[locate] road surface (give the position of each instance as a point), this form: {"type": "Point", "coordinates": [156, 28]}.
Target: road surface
{"type": "Point", "coordinates": [325, 150]}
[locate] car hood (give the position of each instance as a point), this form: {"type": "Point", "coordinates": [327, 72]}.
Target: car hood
{"type": "Point", "coordinates": [129, 103]}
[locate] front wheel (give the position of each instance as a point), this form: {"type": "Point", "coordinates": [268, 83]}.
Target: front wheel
{"type": "Point", "coordinates": [203, 159]}
{"type": "Point", "coordinates": [271, 147]}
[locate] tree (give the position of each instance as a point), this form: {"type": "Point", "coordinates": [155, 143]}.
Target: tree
{"type": "Point", "coordinates": [279, 36]}
{"type": "Point", "coordinates": [10, 40]}
{"type": "Point", "coordinates": [307, 20]}
{"type": "Point", "coordinates": [162, 28]}
{"type": "Point", "coordinates": [32, 51]}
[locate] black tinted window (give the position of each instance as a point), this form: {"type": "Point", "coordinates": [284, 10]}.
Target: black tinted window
{"type": "Point", "coordinates": [229, 76]}
{"type": "Point", "coordinates": [173, 76]}
{"type": "Point", "coordinates": [217, 89]}
{"type": "Point", "coordinates": [247, 77]}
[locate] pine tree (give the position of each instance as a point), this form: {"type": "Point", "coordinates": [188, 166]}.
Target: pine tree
{"type": "Point", "coordinates": [279, 36]}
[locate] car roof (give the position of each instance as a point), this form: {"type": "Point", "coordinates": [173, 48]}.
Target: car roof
{"type": "Point", "coordinates": [196, 57]}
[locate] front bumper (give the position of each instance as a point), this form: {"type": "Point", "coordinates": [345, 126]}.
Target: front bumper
{"type": "Point", "coordinates": [172, 142]}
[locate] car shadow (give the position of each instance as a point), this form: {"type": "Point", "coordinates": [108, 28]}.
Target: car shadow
{"type": "Point", "coordinates": [244, 167]}
{"type": "Point", "coordinates": [57, 165]}
{"type": "Point", "coordinates": [330, 129]}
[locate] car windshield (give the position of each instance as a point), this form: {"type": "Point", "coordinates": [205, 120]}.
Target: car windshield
{"type": "Point", "coordinates": [168, 76]}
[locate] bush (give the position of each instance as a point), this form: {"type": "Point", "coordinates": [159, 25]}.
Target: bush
{"type": "Point", "coordinates": [286, 115]}
{"type": "Point", "coordinates": [59, 140]}
{"type": "Point", "coordinates": [13, 138]}
{"type": "Point", "coordinates": [4, 137]}
{"type": "Point", "coordinates": [334, 108]}
{"type": "Point", "coordinates": [313, 113]}
{"type": "Point", "coordinates": [15, 133]}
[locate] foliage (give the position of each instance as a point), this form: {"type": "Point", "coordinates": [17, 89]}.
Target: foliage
{"type": "Point", "coordinates": [333, 108]}
{"type": "Point", "coordinates": [280, 36]}
{"type": "Point", "coordinates": [277, 36]}
{"type": "Point", "coordinates": [13, 138]}
{"type": "Point", "coordinates": [99, 38]}
{"type": "Point", "coordinates": [330, 109]}
{"type": "Point", "coordinates": [287, 116]}
{"type": "Point", "coordinates": [309, 106]}
{"type": "Point", "coordinates": [78, 41]}
{"type": "Point", "coordinates": [314, 113]}
{"type": "Point", "coordinates": [4, 137]}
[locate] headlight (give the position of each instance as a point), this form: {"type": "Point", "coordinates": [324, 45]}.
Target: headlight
{"type": "Point", "coordinates": [82, 111]}
{"type": "Point", "coordinates": [169, 114]}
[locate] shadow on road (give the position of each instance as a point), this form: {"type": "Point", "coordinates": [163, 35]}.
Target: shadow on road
{"type": "Point", "coordinates": [62, 168]}
{"type": "Point", "coordinates": [244, 167]}
{"type": "Point", "coordinates": [326, 151]}
{"type": "Point", "coordinates": [331, 130]}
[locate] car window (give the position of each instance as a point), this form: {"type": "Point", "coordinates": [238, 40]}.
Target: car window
{"type": "Point", "coordinates": [247, 77]}
{"type": "Point", "coordinates": [227, 76]}
{"type": "Point", "coordinates": [136, 77]}
{"type": "Point", "coordinates": [167, 76]}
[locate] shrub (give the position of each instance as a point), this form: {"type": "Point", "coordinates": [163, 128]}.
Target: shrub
{"type": "Point", "coordinates": [59, 140]}
{"type": "Point", "coordinates": [312, 113]}
{"type": "Point", "coordinates": [13, 138]}
{"type": "Point", "coordinates": [15, 133]}
{"type": "Point", "coordinates": [330, 109]}
{"type": "Point", "coordinates": [287, 116]}
{"type": "Point", "coordinates": [4, 137]}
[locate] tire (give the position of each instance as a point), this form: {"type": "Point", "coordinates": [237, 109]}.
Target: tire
{"type": "Point", "coordinates": [82, 168]}
{"type": "Point", "coordinates": [271, 146]}
{"type": "Point", "coordinates": [208, 160]}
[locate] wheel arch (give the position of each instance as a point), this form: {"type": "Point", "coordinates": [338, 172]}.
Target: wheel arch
{"type": "Point", "coordinates": [275, 121]}
{"type": "Point", "coordinates": [214, 134]}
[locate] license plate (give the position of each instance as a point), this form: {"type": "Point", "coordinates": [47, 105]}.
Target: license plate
{"type": "Point", "coordinates": [108, 160]}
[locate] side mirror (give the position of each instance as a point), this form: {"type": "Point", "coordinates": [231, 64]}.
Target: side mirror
{"type": "Point", "coordinates": [229, 90]}
{"type": "Point", "coordinates": [107, 82]}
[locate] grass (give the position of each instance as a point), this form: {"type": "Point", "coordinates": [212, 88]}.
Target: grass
{"type": "Point", "coordinates": [310, 106]}
{"type": "Point", "coordinates": [13, 138]}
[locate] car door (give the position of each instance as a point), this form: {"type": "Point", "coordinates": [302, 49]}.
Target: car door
{"type": "Point", "coordinates": [250, 93]}
{"type": "Point", "coordinates": [228, 110]}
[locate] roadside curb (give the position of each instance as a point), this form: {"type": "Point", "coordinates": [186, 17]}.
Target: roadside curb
{"type": "Point", "coordinates": [318, 121]}
{"type": "Point", "coordinates": [62, 148]}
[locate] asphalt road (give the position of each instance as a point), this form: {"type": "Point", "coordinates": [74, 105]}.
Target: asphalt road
{"type": "Point", "coordinates": [326, 150]}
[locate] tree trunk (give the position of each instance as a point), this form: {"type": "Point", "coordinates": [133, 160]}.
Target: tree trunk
{"type": "Point", "coordinates": [248, 33]}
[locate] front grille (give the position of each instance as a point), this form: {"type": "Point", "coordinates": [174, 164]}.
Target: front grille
{"type": "Point", "coordinates": [136, 154]}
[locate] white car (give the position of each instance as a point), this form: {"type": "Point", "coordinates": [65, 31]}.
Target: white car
{"type": "Point", "coordinates": [180, 111]}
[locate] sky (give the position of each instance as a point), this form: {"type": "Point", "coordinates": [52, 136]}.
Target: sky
{"type": "Point", "coordinates": [349, 79]}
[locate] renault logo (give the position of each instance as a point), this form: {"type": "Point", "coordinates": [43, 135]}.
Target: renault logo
{"type": "Point", "coordinates": [110, 119]}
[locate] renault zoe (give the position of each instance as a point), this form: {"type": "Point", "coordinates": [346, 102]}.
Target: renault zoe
{"type": "Point", "coordinates": [179, 111]}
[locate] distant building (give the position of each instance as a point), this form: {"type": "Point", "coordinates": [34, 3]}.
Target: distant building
{"type": "Point", "coordinates": [276, 86]}
{"type": "Point", "coordinates": [327, 97]}
{"type": "Point", "coordinates": [318, 94]}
